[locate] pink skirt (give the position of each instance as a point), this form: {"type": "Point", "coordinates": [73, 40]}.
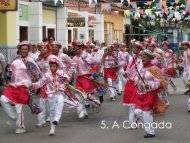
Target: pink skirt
{"type": "Point", "coordinates": [17, 95]}
{"type": "Point", "coordinates": [130, 93]}
{"type": "Point", "coordinates": [83, 84]}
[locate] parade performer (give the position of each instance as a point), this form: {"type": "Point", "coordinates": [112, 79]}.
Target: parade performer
{"type": "Point", "coordinates": [109, 61]}
{"type": "Point", "coordinates": [170, 63]}
{"type": "Point", "coordinates": [158, 60]}
{"type": "Point", "coordinates": [43, 63]}
{"type": "Point", "coordinates": [85, 59]}
{"type": "Point", "coordinates": [123, 59]}
{"type": "Point", "coordinates": [130, 91]}
{"type": "Point", "coordinates": [55, 81]}
{"type": "Point", "coordinates": [186, 74]}
{"type": "Point", "coordinates": [34, 53]}
{"type": "Point", "coordinates": [17, 91]}
{"type": "Point", "coordinates": [147, 86]}
{"type": "Point", "coordinates": [186, 61]}
{"type": "Point", "coordinates": [69, 66]}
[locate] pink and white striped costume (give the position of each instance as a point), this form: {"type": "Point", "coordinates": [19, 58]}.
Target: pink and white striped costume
{"type": "Point", "coordinates": [84, 62]}
{"type": "Point", "coordinates": [17, 92]}
{"type": "Point", "coordinates": [43, 64]}
{"type": "Point", "coordinates": [186, 63]}
{"type": "Point", "coordinates": [146, 98]}
{"type": "Point", "coordinates": [69, 65]}
{"type": "Point", "coordinates": [83, 70]}
{"type": "Point", "coordinates": [55, 84]}
{"type": "Point", "coordinates": [123, 59]}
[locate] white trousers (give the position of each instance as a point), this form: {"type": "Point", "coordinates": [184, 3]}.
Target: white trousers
{"type": "Point", "coordinates": [185, 77]}
{"type": "Point", "coordinates": [121, 79]}
{"type": "Point", "coordinates": [111, 83]}
{"type": "Point", "coordinates": [132, 116]}
{"type": "Point", "coordinates": [55, 103]}
{"type": "Point", "coordinates": [44, 106]}
{"type": "Point", "coordinates": [14, 112]}
{"type": "Point", "coordinates": [147, 119]}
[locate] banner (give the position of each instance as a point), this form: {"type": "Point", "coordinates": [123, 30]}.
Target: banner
{"type": "Point", "coordinates": [8, 5]}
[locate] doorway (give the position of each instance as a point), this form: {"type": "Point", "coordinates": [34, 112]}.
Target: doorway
{"type": "Point", "coordinates": [23, 33]}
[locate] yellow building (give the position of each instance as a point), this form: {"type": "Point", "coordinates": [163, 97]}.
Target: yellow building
{"type": "Point", "coordinates": [114, 22]}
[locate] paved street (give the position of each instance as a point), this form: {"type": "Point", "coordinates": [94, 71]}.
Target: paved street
{"type": "Point", "coordinates": [71, 130]}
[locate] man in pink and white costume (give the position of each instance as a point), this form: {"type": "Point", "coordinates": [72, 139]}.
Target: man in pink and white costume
{"type": "Point", "coordinates": [109, 61]}
{"type": "Point", "coordinates": [43, 63]}
{"type": "Point", "coordinates": [186, 74]}
{"type": "Point", "coordinates": [147, 85]}
{"type": "Point", "coordinates": [69, 67]}
{"type": "Point", "coordinates": [17, 92]}
{"type": "Point", "coordinates": [123, 59]}
{"type": "Point", "coordinates": [84, 60]}
{"type": "Point", "coordinates": [130, 91]}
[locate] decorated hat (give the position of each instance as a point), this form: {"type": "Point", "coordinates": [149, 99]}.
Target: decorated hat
{"type": "Point", "coordinates": [74, 43]}
{"type": "Point", "coordinates": [24, 43]}
{"type": "Point", "coordinates": [40, 44]}
{"type": "Point", "coordinates": [89, 44]}
{"type": "Point", "coordinates": [111, 46]}
{"type": "Point", "coordinates": [185, 43]}
{"type": "Point", "coordinates": [54, 60]}
{"type": "Point", "coordinates": [166, 43]}
{"type": "Point", "coordinates": [148, 53]}
{"type": "Point", "coordinates": [57, 44]}
{"type": "Point", "coordinates": [138, 45]}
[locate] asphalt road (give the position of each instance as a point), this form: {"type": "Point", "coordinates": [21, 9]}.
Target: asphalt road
{"type": "Point", "coordinates": [113, 114]}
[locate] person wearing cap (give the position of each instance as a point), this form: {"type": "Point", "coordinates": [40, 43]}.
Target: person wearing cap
{"type": "Point", "coordinates": [69, 65]}
{"type": "Point", "coordinates": [186, 73]}
{"type": "Point", "coordinates": [146, 99]}
{"type": "Point", "coordinates": [153, 46]}
{"type": "Point", "coordinates": [130, 91]}
{"type": "Point", "coordinates": [109, 62]}
{"type": "Point", "coordinates": [123, 59]}
{"type": "Point", "coordinates": [17, 91]}
{"type": "Point", "coordinates": [55, 81]}
{"type": "Point", "coordinates": [170, 63]}
{"type": "Point", "coordinates": [186, 61]}
{"type": "Point", "coordinates": [34, 53]}
{"type": "Point", "coordinates": [43, 63]}
{"type": "Point", "coordinates": [84, 59]}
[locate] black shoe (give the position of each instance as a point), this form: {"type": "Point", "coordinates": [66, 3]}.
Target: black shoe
{"type": "Point", "coordinates": [149, 136]}
{"type": "Point", "coordinates": [87, 106]}
{"type": "Point", "coordinates": [86, 117]}
{"type": "Point", "coordinates": [188, 111]}
{"type": "Point", "coordinates": [187, 91]}
{"type": "Point", "coordinates": [112, 99]}
{"type": "Point", "coordinates": [119, 93]}
{"type": "Point", "coordinates": [101, 98]}
{"type": "Point", "coordinates": [55, 123]}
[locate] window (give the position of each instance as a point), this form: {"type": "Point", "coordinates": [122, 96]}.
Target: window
{"type": "Point", "coordinates": [118, 35]}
